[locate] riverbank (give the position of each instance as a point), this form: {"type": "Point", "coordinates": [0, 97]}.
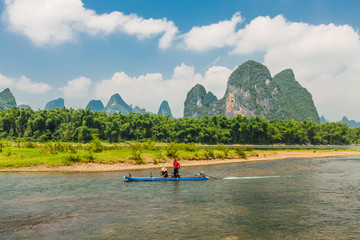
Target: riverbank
{"type": "Point", "coordinates": [261, 156]}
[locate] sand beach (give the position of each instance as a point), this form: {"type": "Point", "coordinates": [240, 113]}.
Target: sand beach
{"type": "Point", "coordinates": [262, 156]}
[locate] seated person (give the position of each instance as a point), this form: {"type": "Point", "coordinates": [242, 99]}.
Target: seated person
{"type": "Point", "coordinates": [201, 174]}
{"type": "Point", "coordinates": [164, 173]}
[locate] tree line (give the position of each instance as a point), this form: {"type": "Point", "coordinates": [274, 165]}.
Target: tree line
{"type": "Point", "coordinates": [69, 125]}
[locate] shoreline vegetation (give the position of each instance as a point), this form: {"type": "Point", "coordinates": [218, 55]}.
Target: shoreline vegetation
{"type": "Point", "coordinates": [97, 156]}
{"type": "Point", "coordinates": [84, 141]}
{"type": "Point", "coordinates": [69, 125]}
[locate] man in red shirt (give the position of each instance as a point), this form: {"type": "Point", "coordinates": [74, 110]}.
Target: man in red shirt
{"type": "Point", "coordinates": [176, 168]}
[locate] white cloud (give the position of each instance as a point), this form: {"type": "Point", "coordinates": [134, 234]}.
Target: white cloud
{"type": "Point", "coordinates": [148, 91]}
{"type": "Point", "coordinates": [216, 35]}
{"type": "Point", "coordinates": [77, 88]}
{"type": "Point", "coordinates": [325, 58]}
{"type": "Point", "coordinates": [24, 84]}
{"type": "Point", "coordinates": [215, 80]}
{"type": "Point", "coordinates": [25, 90]}
{"type": "Point", "coordinates": [5, 82]}
{"type": "Point", "coordinates": [325, 61]}
{"type": "Point", "coordinates": [57, 21]}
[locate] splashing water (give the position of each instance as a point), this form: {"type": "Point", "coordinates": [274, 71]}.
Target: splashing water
{"type": "Point", "coordinates": [255, 177]}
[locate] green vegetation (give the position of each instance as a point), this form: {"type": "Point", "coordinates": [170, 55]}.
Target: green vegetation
{"type": "Point", "coordinates": [57, 103]}
{"type": "Point", "coordinates": [116, 103]}
{"type": "Point", "coordinates": [64, 154]}
{"type": "Point", "coordinates": [252, 91]}
{"type": "Point", "coordinates": [95, 105]}
{"type": "Point", "coordinates": [255, 78]}
{"type": "Point", "coordinates": [7, 99]}
{"type": "Point", "coordinates": [69, 125]}
{"type": "Point", "coordinates": [54, 154]}
{"type": "Point", "coordinates": [136, 149]}
{"type": "Point", "coordinates": [295, 101]}
{"type": "Point", "coordinates": [198, 102]}
{"type": "Point", "coordinates": [164, 109]}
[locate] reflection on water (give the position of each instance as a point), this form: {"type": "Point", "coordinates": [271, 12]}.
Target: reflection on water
{"type": "Point", "coordinates": [287, 199]}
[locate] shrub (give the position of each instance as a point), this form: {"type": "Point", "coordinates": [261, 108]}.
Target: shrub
{"type": "Point", "coordinates": [159, 157]}
{"type": "Point", "coordinates": [136, 149]}
{"type": "Point", "coordinates": [240, 152]}
{"type": "Point", "coordinates": [89, 156]}
{"type": "Point", "coordinates": [220, 155]}
{"type": "Point", "coordinates": [96, 145]}
{"type": "Point", "coordinates": [29, 145]}
{"type": "Point", "coordinates": [73, 158]}
{"type": "Point", "coordinates": [49, 148]}
{"type": "Point", "coordinates": [191, 147]}
{"type": "Point", "coordinates": [209, 153]}
{"type": "Point", "coordinates": [172, 150]}
{"type": "Point", "coordinates": [248, 149]}
{"type": "Point", "coordinates": [7, 153]}
{"type": "Point", "coordinates": [60, 147]}
{"type": "Point", "coordinates": [69, 147]}
{"type": "Point", "coordinates": [79, 146]}
{"type": "Point", "coordinates": [224, 149]}
{"type": "Point", "coordinates": [150, 145]}
{"type": "Point", "coordinates": [54, 148]}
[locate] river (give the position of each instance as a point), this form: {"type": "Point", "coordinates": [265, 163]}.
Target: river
{"type": "Point", "coordinates": [285, 199]}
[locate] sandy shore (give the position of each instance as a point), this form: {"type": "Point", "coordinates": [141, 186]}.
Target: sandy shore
{"type": "Point", "coordinates": [263, 156]}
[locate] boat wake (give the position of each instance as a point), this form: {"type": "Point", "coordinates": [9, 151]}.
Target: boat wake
{"type": "Point", "coordinates": [254, 177]}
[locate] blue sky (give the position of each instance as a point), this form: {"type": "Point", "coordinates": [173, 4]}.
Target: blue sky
{"type": "Point", "coordinates": [152, 50]}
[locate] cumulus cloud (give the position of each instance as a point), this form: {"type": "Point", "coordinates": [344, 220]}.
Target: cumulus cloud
{"type": "Point", "coordinates": [215, 80]}
{"type": "Point", "coordinates": [148, 91]}
{"type": "Point", "coordinates": [77, 88]}
{"type": "Point", "coordinates": [325, 58]}
{"type": "Point", "coordinates": [5, 82]}
{"type": "Point", "coordinates": [49, 22]}
{"type": "Point", "coordinates": [24, 84]}
{"type": "Point", "coordinates": [325, 61]}
{"type": "Point", "coordinates": [212, 36]}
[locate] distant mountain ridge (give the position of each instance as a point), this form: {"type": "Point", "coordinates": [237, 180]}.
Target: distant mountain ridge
{"type": "Point", "coordinates": [24, 106]}
{"type": "Point", "coordinates": [295, 101]}
{"type": "Point", "coordinates": [53, 104]}
{"type": "Point", "coordinates": [7, 99]}
{"type": "Point", "coordinates": [251, 91]}
{"type": "Point", "coordinates": [164, 109]}
{"type": "Point", "coordinates": [117, 105]}
{"type": "Point", "coordinates": [351, 123]}
{"type": "Point", "coordinates": [323, 119]}
{"type": "Point", "coordinates": [95, 105]}
{"type": "Point", "coordinates": [198, 102]}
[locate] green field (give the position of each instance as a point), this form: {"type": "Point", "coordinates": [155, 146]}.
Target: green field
{"type": "Point", "coordinates": [29, 154]}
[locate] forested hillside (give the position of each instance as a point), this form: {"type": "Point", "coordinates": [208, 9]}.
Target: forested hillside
{"type": "Point", "coordinates": [250, 92]}
{"type": "Point", "coordinates": [81, 125]}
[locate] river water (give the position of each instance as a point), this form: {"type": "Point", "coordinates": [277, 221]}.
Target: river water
{"type": "Point", "coordinates": [285, 199]}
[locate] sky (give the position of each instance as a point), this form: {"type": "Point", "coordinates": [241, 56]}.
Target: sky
{"type": "Point", "coordinates": [154, 50]}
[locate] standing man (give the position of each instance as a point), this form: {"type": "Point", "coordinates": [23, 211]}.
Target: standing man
{"type": "Point", "coordinates": [176, 168]}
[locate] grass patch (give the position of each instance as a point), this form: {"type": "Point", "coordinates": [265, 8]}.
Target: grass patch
{"type": "Point", "coordinates": [55, 154]}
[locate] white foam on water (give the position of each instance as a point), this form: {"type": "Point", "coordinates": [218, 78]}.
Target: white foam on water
{"type": "Point", "coordinates": [254, 177]}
